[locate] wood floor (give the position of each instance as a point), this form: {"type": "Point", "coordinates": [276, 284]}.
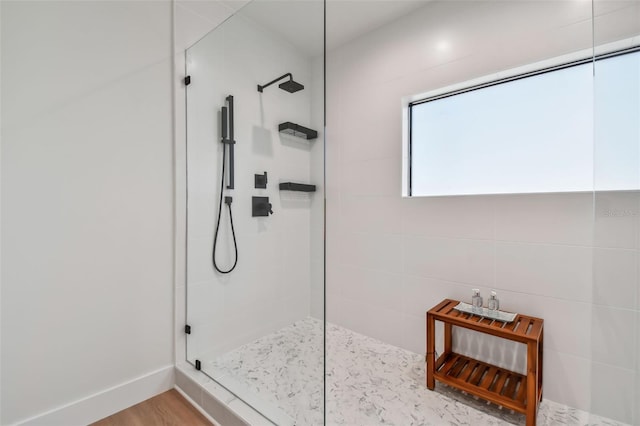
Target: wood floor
{"type": "Point", "coordinates": [167, 409]}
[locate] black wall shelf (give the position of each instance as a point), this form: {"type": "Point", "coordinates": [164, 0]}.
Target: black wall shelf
{"type": "Point", "coordinates": [300, 187]}
{"type": "Point", "coordinates": [297, 130]}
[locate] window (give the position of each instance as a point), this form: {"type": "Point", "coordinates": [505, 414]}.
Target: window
{"type": "Point", "coordinates": [530, 133]}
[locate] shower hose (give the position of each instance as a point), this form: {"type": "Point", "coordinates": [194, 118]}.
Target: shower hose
{"type": "Point", "coordinates": [233, 232]}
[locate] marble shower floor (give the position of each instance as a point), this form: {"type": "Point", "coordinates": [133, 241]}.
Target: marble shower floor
{"type": "Point", "coordinates": [368, 383]}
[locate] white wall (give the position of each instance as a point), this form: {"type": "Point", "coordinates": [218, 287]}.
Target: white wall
{"type": "Point", "coordinates": [270, 287]}
{"type": "Point", "coordinates": [390, 259]}
{"type": "Point", "coordinates": [86, 199]}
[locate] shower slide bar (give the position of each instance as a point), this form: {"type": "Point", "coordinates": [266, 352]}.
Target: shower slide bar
{"type": "Point", "coordinates": [227, 136]}
{"type": "Point", "coordinates": [227, 142]}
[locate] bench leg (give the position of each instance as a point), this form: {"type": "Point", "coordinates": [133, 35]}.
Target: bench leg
{"type": "Point", "coordinates": [431, 351]}
{"type": "Point", "coordinates": [532, 383]}
{"type": "Point", "coordinates": [540, 372]}
{"type": "Point", "coordinates": [447, 338]}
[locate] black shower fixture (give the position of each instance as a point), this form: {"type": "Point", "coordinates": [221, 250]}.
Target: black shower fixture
{"type": "Point", "coordinates": [228, 143]}
{"type": "Point", "coordinates": [290, 85]}
{"type": "Point", "coordinates": [297, 130]}
{"type": "Point", "coordinates": [260, 206]}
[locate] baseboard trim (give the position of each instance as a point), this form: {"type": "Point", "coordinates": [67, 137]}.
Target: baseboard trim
{"type": "Point", "coordinates": [107, 402]}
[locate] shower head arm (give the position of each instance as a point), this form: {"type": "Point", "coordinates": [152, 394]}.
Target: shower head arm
{"type": "Point", "coordinates": [260, 88]}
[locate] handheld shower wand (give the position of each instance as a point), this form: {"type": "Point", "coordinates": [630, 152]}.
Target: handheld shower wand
{"type": "Point", "coordinates": [228, 142]}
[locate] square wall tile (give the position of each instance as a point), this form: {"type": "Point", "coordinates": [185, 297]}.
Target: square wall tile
{"type": "Point", "coordinates": [615, 280]}
{"type": "Point", "coordinates": [378, 177]}
{"type": "Point", "coordinates": [205, 312]}
{"type": "Point", "coordinates": [372, 321]}
{"type": "Point", "coordinates": [414, 333]}
{"type": "Point", "coordinates": [367, 139]}
{"type": "Point", "coordinates": [378, 252]}
{"type": "Point", "coordinates": [336, 308]}
{"type": "Point", "coordinates": [353, 315]}
{"type": "Point", "coordinates": [565, 218]}
{"type": "Point", "coordinates": [317, 290]}
{"type": "Point", "coordinates": [617, 219]}
{"type": "Point", "coordinates": [317, 242]}
{"type": "Point", "coordinates": [449, 217]}
{"type": "Point", "coordinates": [566, 322]}
{"type": "Point", "coordinates": [636, 396]}
{"type": "Point", "coordinates": [265, 251]}
{"type": "Point", "coordinates": [421, 294]}
{"type": "Point", "coordinates": [638, 280]}
{"type": "Point", "coordinates": [371, 214]}
{"type": "Point", "coordinates": [614, 335]}
{"type": "Point", "coordinates": [462, 261]}
{"type": "Point", "coordinates": [199, 267]}
{"type": "Point", "coordinates": [333, 280]}
{"type": "Point", "coordinates": [547, 270]}
{"type": "Point", "coordinates": [613, 393]}
{"type": "Point", "coordinates": [334, 169]}
{"type": "Point", "coordinates": [334, 245]}
{"type": "Point", "coordinates": [637, 364]}
{"type": "Point", "coordinates": [249, 286]}
{"type": "Point", "coordinates": [383, 325]}
{"type": "Point", "coordinates": [377, 288]}
{"type": "Point", "coordinates": [567, 379]}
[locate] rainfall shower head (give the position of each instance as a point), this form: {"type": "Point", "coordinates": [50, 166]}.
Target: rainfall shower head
{"type": "Point", "coordinates": [290, 85]}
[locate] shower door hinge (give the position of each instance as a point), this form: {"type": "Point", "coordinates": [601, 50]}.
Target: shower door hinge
{"type": "Point", "coordinates": [187, 80]}
{"type": "Point", "coordinates": [198, 364]}
{"type": "Point", "coordinates": [187, 329]}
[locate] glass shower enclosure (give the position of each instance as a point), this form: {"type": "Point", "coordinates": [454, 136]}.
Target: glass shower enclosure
{"type": "Point", "coordinates": [260, 180]}
{"type": "Point", "coordinates": [255, 208]}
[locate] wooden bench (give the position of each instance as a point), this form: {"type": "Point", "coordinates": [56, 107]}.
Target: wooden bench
{"type": "Point", "coordinates": [521, 393]}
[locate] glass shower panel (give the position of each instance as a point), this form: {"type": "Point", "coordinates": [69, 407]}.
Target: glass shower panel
{"type": "Point", "coordinates": [615, 329]}
{"type": "Point", "coordinates": [257, 328]}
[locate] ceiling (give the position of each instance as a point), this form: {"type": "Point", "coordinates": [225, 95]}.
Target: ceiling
{"type": "Point", "coordinates": [300, 22]}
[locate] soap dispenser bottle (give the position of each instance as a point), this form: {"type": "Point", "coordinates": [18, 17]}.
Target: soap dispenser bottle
{"type": "Point", "coordinates": [493, 304]}
{"type": "Point", "coordinates": [476, 300]}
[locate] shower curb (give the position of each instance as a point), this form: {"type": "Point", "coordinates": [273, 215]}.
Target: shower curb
{"type": "Point", "coordinates": [221, 405]}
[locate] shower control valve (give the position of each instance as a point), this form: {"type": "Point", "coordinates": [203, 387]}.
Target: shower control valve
{"type": "Point", "coordinates": [260, 206]}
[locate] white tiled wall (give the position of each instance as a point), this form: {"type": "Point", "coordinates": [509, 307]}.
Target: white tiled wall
{"type": "Point", "coordinates": [390, 259]}
{"type": "Point", "coordinates": [615, 312]}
